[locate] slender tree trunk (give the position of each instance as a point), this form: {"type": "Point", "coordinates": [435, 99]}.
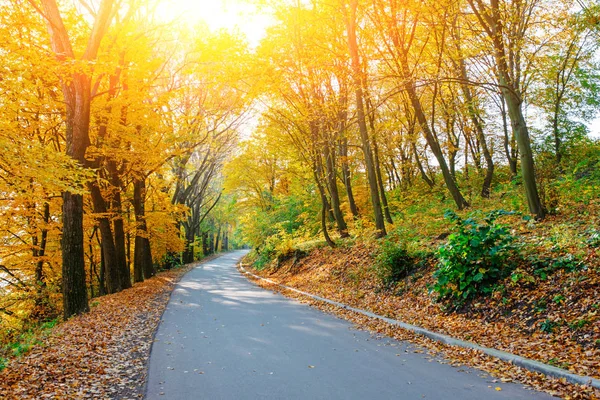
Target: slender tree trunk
{"type": "Point", "coordinates": [218, 238]}
{"type": "Point", "coordinates": [347, 177]}
{"type": "Point", "coordinates": [478, 125]}
{"type": "Point", "coordinates": [362, 125]}
{"type": "Point", "coordinates": [491, 20]}
{"type": "Point", "coordinates": [459, 200]}
{"type": "Point", "coordinates": [39, 251]}
{"type": "Point", "coordinates": [331, 178]}
{"type": "Point", "coordinates": [509, 140]}
{"type": "Point", "coordinates": [113, 281]}
{"type": "Point", "coordinates": [384, 202]}
{"type": "Point", "coordinates": [118, 228]}
{"type": "Point", "coordinates": [205, 246]}
{"type": "Point", "coordinates": [142, 256]}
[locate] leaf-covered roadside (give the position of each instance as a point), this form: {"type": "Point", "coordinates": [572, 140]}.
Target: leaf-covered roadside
{"type": "Point", "coordinates": [345, 275]}
{"type": "Point", "coordinates": [98, 355]}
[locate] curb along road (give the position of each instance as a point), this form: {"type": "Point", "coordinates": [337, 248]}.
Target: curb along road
{"type": "Point", "coordinates": [523, 362]}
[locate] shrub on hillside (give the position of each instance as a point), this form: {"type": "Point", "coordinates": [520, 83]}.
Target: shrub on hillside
{"type": "Point", "coordinates": [475, 257]}
{"type": "Point", "coordinates": [393, 263]}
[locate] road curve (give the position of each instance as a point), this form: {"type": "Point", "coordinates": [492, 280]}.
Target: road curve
{"type": "Point", "coordinates": [222, 337]}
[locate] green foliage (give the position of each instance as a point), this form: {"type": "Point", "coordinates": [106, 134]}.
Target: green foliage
{"type": "Point", "coordinates": [579, 324]}
{"type": "Point", "coordinates": [25, 342]}
{"type": "Point", "coordinates": [393, 263]}
{"type": "Point", "coordinates": [548, 326]}
{"type": "Point", "coordinates": [547, 266]}
{"type": "Point", "coordinates": [172, 260]}
{"type": "Point", "coordinates": [474, 258]}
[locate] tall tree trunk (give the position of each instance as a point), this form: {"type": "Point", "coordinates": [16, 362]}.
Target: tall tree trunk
{"type": "Point", "coordinates": [347, 177]}
{"type": "Point", "coordinates": [218, 238]}
{"type": "Point", "coordinates": [226, 239]}
{"type": "Point", "coordinates": [362, 125]}
{"type": "Point", "coordinates": [39, 251]}
{"type": "Point", "coordinates": [478, 125]}
{"type": "Point", "coordinates": [490, 19]}
{"type": "Point", "coordinates": [113, 281]}
{"type": "Point", "coordinates": [331, 178]}
{"type": "Point", "coordinates": [77, 95]}
{"type": "Point", "coordinates": [118, 227]}
{"type": "Point", "coordinates": [142, 256]}
{"type": "Point", "coordinates": [384, 202]}
{"type": "Point", "coordinates": [205, 246]}
{"type": "Point", "coordinates": [509, 140]}
{"type": "Point", "coordinates": [424, 175]}
{"type": "Point", "coordinates": [451, 185]}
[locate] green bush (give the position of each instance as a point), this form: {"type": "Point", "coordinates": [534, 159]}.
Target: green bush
{"type": "Point", "coordinates": [393, 263]}
{"type": "Point", "coordinates": [474, 259]}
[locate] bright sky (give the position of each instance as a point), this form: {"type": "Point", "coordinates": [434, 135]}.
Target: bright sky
{"type": "Point", "coordinates": [219, 14]}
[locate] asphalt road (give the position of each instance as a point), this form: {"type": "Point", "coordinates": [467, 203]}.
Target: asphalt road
{"type": "Point", "coordinates": [222, 337]}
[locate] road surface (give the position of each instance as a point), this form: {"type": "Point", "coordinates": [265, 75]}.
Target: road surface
{"type": "Point", "coordinates": [222, 337]}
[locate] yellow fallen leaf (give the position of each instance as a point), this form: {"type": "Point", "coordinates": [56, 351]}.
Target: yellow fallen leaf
{"type": "Point", "coordinates": [498, 388]}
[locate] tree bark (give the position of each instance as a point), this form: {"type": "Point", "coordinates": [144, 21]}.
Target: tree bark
{"type": "Point", "coordinates": [143, 268]}
{"type": "Point", "coordinates": [77, 95]}
{"type": "Point", "coordinates": [362, 125]}
{"type": "Point", "coordinates": [491, 21]}
{"type": "Point", "coordinates": [331, 178]}
{"type": "Point", "coordinates": [113, 281]}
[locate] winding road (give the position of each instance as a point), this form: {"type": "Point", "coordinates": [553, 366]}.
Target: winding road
{"type": "Point", "coordinates": [222, 337]}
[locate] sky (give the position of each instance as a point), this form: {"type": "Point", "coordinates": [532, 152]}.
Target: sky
{"type": "Point", "coordinates": [219, 14]}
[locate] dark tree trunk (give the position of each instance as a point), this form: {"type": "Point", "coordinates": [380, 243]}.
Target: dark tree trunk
{"type": "Point", "coordinates": [205, 244]}
{"type": "Point", "coordinates": [218, 238]}
{"type": "Point", "coordinates": [142, 256]}
{"type": "Point", "coordinates": [102, 278]}
{"type": "Point", "coordinates": [346, 176]}
{"type": "Point", "coordinates": [77, 95]}
{"type": "Point", "coordinates": [490, 17]}
{"type": "Point", "coordinates": [113, 281]}
{"type": "Point", "coordinates": [384, 202]}
{"type": "Point", "coordinates": [39, 250]}
{"type": "Point", "coordinates": [225, 241]}
{"type": "Point", "coordinates": [118, 227]}
{"type": "Point", "coordinates": [331, 179]}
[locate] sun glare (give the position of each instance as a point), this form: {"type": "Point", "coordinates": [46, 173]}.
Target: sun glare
{"type": "Point", "coordinates": [233, 15]}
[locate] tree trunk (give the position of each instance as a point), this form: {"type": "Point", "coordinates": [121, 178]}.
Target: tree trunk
{"type": "Point", "coordinates": [492, 22]}
{"type": "Point", "coordinates": [384, 202]}
{"type": "Point", "coordinates": [205, 246]}
{"type": "Point", "coordinates": [477, 123]}
{"type": "Point", "coordinates": [77, 95]}
{"type": "Point", "coordinates": [113, 281]}
{"type": "Point", "coordinates": [331, 178]}
{"type": "Point", "coordinates": [459, 200]}
{"type": "Point", "coordinates": [39, 250]}
{"type": "Point", "coordinates": [347, 177]}
{"type": "Point", "coordinates": [118, 227]}
{"type": "Point", "coordinates": [218, 238]}
{"type": "Point", "coordinates": [362, 125]}
{"type": "Point", "coordinates": [424, 175]}
{"type": "Point", "coordinates": [142, 256]}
